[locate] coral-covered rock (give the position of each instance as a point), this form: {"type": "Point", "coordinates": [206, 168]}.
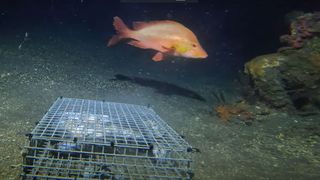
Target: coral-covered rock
{"type": "Point", "coordinates": [258, 66]}
{"type": "Point", "coordinates": [264, 71]}
{"type": "Point", "coordinates": [302, 28]}
{"type": "Point", "coordinates": [289, 79]}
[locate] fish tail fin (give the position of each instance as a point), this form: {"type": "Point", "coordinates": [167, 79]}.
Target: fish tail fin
{"type": "Point", "coordinates": [114, 40]}
{"type": "Point", "coordinates": [122, 30]}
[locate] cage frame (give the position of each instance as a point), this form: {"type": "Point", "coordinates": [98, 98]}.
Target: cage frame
{"type": "Point", "coordinates": [90, 139]}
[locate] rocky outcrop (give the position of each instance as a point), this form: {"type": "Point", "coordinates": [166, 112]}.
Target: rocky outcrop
{"type": "Point", "coordinates": [289, 79]}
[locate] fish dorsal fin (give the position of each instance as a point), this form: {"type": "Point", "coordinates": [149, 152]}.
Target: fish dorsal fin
{"type": "Point", "coordinates": [137, 25]}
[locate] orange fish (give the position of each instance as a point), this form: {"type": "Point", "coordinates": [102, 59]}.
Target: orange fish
{"type": "Point", "coordinates": [166, 37]}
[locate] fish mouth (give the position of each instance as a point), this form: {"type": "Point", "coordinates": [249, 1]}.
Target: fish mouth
{"type": "Point", "coordinates": [203, 55]}
{"type": "Point", "coordinates": [196, 55]}
{"type": "Point", "coordinates": [199, 57]}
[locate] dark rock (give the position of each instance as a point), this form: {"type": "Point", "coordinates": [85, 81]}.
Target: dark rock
{"type": "Point", "coordinates": [289, 79]}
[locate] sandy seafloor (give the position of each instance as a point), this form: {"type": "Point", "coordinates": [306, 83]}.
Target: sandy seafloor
{"type": "Point", "coordinates": [66, 63]}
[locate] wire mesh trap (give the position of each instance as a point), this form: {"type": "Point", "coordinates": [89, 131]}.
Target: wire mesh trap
{"type": "Point", "coordinates": [87, 139]}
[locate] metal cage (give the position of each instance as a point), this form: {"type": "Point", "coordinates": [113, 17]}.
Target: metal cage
{"type": "Point", "coordinates": [88, 139]}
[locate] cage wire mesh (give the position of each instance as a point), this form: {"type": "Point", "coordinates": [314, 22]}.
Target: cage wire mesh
{"type": "Point", "coordinates": [88, 139]}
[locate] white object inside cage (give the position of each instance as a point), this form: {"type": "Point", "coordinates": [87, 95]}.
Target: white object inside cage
{"type": "Point", "coordinates": [88, 139]}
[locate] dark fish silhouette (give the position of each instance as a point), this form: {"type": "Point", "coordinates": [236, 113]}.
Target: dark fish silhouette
{"type": "Point", "coordinates": [160, 86]}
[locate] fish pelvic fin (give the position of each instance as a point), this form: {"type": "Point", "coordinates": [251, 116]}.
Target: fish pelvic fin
{"type": "Point", "coordinates": [122, 31]}
{"type": "Point", "coordinates": [158, 57]}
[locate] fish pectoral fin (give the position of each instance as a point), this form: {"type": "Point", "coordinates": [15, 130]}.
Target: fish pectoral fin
{"type": "Point", "coordinates": [137, 44]}
{"type": "Point", "coordinates": [158, 57]}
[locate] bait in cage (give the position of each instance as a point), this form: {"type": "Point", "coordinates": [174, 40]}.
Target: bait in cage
{"type": "Point", "coordinates": [88, 139]}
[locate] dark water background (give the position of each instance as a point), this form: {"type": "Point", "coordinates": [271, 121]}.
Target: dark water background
{"type": "Point", "coordinates": [231, 31]}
